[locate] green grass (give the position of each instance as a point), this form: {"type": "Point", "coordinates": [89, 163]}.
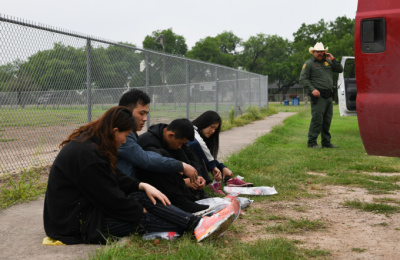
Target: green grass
{"type": "Point", "coordinates": [282, 159]}
{"type": "Point", "coordinates": [252, 114]}
{"type": "Point", "coordinates": [359, 250]}
{"type": "Point", "coordinates": [372, 207]}
{"type": "Point", "coordinates": [386, 200]}
{"type": "Point", "coordinates": [67, 115]}
{"type": "Point", "coordinates": [296, 226]}
{"type": "Point", "coordinates": [21, 187]}
{"type": "Point", "coordinates": [186, 248]}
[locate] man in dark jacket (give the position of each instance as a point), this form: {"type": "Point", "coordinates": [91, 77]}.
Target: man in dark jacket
{"type": "Point", "coordinates": [170, 141]}
{"type": "Point", "coordinates": [132, 158]}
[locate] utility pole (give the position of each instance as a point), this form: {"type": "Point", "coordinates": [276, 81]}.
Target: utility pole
{"type": "Point", "coordinates": [161, 39]}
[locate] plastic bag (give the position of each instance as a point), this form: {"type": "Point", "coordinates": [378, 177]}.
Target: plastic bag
{"type": "Point", "coordinates": [244, 202]}
{"type": "Point", "coordinates": [161, 235]}
{"type": "Point", "coordinates": [262, 190]}
{"type": "Point", "coordinates": [216, 204]}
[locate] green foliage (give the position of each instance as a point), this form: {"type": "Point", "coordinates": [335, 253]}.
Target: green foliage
{"type": "Point", "coordinates": [359, 250]}
{"type": "Point", "coordinates": [282, 60]}
{"type": "Point", "coordinates": [21, 187]}
{"type": "Point", "coordinates": [282, 159]}
{"type": "Point", "coordinates": [231, 115]}
{"type": "Point", "coordinates": [253, 113]}
{"type": "Point", "coordinates": [294, 226]}
{"type": "Point", "coordinates": [173, 43]}
{"type": "Point", "coordinates": [372, 207]}
{"type": "Point", "coordinates": [220, 49]}
{"type": "Point", "coordinates": [186, 248]}
{"type": "Point", "coordinates": [64, 67]}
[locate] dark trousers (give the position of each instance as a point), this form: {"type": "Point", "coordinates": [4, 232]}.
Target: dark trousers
{"type": "Point", "coordinates": [159, 218]}
{"type": "Point", "coordinates": [321, 113]}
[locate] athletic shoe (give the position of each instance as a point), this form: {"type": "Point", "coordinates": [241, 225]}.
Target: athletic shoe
{"type": "Point", "coordinates": [216, 187]}
{"type": "Point", "coordinates": [234, 206]}
{"type": "Point", "coordinates": [212, 227]}
{"type": "Point", "coordinates": [236, 182]}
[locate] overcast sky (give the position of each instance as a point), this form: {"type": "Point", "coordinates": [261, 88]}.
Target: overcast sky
{"type": "Point", "coordinates": [131, 20]}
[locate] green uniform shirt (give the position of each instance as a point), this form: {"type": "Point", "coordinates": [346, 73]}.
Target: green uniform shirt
{"type": "Point", "coordinates": [318, 74]}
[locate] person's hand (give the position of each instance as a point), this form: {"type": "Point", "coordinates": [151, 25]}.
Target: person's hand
{"type": "Point", "coordinates": [226, 172]}
{"type": "Point", "coordinates": [190, 185]}
{"type": "Point", "coordinates": [316, 93]}
{"type": "Point", "coordinates": [329, 56]}
{"type": "Point", "coordinates": [190, 172]}
{"type": "Point", "coordinates": [202, 183]}
{"type": "Point", "coordinates": [154, 194]}
{"type": "Point", "coordinates": [145, 210]}
{"type": "Point", "coordinates": [217, 174]}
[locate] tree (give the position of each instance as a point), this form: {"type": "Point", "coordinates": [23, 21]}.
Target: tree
{"type": "Point", "coordinates": [63, 67]}
{"type": "Point", "coordinates": [267, 55]}
{"type": "Point", "coordinates": [7, 72]}
{"type": "Point", "coordinates": [20, 81]}
{"type": "Point", "coordinates": [228, 42]}
{"type": "Point", "coordinates": [337, 35]}
{"type": "Point", "coordinates": [115, 66]}
{"type": "Point", "coordinates": [221, 49]}
{"type": "Point", "coordinates": [174, 43]}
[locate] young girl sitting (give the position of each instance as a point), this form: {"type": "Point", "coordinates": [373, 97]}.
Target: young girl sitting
{"type": "Point", "coordinates": [88, 200]}
{"type": "Point", "coordinates": [206, 144]}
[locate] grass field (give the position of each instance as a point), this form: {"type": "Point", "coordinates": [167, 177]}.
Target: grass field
{"type": "Point", "coordinates": [282, 159]}
{"type": "Point", "coordinates": [67, 115]}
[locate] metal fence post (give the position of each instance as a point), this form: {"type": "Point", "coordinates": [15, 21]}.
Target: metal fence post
{"type": "Point", "coordinates": [187, 90]}
{"type": "Point", "coordinates": [147, 85]}
{"type": "Point", "coordinates": [236, 93]}
{"type": "Point", "coordinates": [88, 80]}
{"type": "Point", "coordinates": [259, 89]}
{"type": "Point", "coordinates": [267, 91]}
{"type": "Point", "coordinates": [216, 89]}
{"type": "Point", "coordinates": [249, 89]}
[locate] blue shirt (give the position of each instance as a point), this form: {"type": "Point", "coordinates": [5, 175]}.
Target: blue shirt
{"type": "Point", "coordinates": [132, 156]}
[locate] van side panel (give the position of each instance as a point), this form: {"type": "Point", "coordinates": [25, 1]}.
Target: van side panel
{"type": "Point", "coordinates": [378, 80]}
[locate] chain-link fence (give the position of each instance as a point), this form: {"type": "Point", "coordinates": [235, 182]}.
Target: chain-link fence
{"type": "Point", "coordinates": [52, 81]}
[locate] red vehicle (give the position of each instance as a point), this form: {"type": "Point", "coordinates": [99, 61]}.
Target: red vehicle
{"type": "Point", "coordinates": [377, 60]}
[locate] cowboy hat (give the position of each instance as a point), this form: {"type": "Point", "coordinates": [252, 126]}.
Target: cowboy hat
{"type": "Point", "coordinates": [317, 47]}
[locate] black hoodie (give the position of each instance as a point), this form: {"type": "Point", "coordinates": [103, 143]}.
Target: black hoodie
{"type": "Point", "coordinates": [171, 184]}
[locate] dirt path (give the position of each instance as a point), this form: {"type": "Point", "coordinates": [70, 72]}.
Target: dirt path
{"type": "Point", "coordinates": [21, 226]}
{"type": "Point", "coordinates": [348, 233]}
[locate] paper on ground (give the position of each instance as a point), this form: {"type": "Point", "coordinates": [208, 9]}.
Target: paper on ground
{"type": "Point", "coordinates": [262, 190]}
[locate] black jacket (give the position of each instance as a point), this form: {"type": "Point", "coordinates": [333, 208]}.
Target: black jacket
{"type": "Point", "coordinates": [171, 184]}
{"type": "Point", "coordinates": [81, 190]}
{"type": "Point", "coordinates": [153, 140]}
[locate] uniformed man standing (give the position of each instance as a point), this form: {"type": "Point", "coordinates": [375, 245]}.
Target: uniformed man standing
{"type": "Point", "coordinates": [316, 76]}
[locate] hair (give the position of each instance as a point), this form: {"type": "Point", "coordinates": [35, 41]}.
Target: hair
{"type": "Point", "coordinates": [131, 98]}
{"type": "Point", "coordinates": [102, 128]}
{"type": "Point", "coordinates": [182, 128]}
{"type": "Point", "coordinates": [205, 120]}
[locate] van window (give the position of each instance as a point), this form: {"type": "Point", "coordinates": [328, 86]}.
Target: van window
{"type": "Point", "coordinates": [349, 69]}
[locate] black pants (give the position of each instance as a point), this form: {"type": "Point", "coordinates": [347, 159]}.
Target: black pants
{"type": "Point", "coordinates": [159, 218]}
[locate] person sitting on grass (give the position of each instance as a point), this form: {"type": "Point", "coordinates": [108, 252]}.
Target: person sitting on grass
{"type": "Point", "coordinates": [132, 156]}
{"type": "Point", "coordinates": [170, 141]}
{"type": "Point", "coordinates": [174, 177]}
{"type": "Point", "coordinates": [88, 200]}
{"type": "Point", "coordinates": [206, 145]}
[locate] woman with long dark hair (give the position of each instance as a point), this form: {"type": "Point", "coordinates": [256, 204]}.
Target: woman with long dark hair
{"type": "Point", "coordinates": [89, 200]}
{"type": "Point", "coordinates": [206, 145]}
